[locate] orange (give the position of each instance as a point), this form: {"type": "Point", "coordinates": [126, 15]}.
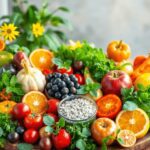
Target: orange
{"type": "Point", "coordinates": [7, 106]}
{"type": "Point", "coordinates": [37, 102]}
{"type": "Point", "coordinates": [41, 59]}
{"type": "Point", "coordinates": [136, 121]}
{"type": "Point", "coordinates": [2, 45]}
{"type": "Point", "coordinates": [127, 137]}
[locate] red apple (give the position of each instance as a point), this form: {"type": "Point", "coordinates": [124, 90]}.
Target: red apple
{"type": "Point", "coordinates": [114, 80]}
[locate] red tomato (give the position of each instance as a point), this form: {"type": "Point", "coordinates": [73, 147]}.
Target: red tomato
{"type": "Point", "coordinates": [63, 70]}
{"type": "Point", "coordinates": [21, 110]}
{"type": "Point", "coordinates": [62, 140]}
{"type": "Point", "coordinates": [47, 71]}
{"type": "Point", "coordinates": [109, 106]}
{"type": "Point", "coordinates": [52, 105]}
{"type": "Point", "coordinates": [53, 116]}
{"type": "Point", "coordinates": [31, 136]}
{"type": "Point", "coordinates": [80, 78]}
{"type": "Point", "coordinates": [33, 121]}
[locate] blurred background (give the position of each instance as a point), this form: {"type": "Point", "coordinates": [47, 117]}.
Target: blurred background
{"type": "Point", "coordinates": [100, 21]}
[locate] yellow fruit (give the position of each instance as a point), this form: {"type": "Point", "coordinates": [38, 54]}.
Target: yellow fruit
{"type": "Point", "coordinates": [136, 121]}
{"type": "Point", "coordinates": [127, 137]}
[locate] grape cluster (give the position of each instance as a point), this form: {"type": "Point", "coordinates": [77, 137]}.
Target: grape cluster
{"type": "Point", "coordinates": [61, 85]}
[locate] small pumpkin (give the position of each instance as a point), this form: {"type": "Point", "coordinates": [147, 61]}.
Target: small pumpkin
{"type": "Point", "coordinates": [31, 78]}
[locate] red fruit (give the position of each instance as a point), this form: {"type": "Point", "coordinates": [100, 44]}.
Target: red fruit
{"type": "Point", "coordinates": [55, 117]}
{"type": "Point", "coordinates": [62, 140]}
{"type": "Point", "coordinates": [33, 121]}
{"type": "Point", "coordinates": [47, 71]}
{"type": "Point", "coordinates": [78, 65]}
{"type": "Point", "coordinates": [45, 143]}
{"type": "Point", "coordinates": [113, 81]}
{"type": "Point", "coordinates": [52, 105]}
{"type": "Point", "coordinates": [21, 110]}
{"type": "Point", "coordinates": [80, 78]}
{"type": "Point", "coordinates": [63, 70]}
{"type": "Point", "coordinates": [31, 136]}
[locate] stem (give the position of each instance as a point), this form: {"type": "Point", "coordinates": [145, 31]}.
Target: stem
{"type": "Point", "coordinates": [119, 45]}
{"type": "Point", "coordinates": [25, 66]}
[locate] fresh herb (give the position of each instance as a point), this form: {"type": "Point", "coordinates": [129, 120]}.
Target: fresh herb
{"type": "Point", "coordinates": [11, 85]}
{"type": "Point", "coordinates": [81, 136]}
{"type": "Point", "coordinates": [93, 58]}
{"type": "Point", "coordinates": [105, 141]}
{"type": "Point", "coordinates": [24, 146]}
{"type": "Point", "coordinates": [120, 140]}
{"type": "Point", "coordinates": [140, 98]}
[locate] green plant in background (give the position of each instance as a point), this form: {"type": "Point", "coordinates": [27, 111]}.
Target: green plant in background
{"type": "Point", "coordinates": [34, 28]}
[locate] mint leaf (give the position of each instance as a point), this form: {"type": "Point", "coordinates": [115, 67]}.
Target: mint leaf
{"type": "Point", "coordinates": [61, 122]}
{"type": "Point", "coordinates": [24, 146]}
{"type": "Point", "coordinates": [80, 144]}
{"type": "Point", "coordinates": [82, 90]}
{"type": "Point", "coordinates": [49, 129]}
{"type": "Point", "coordinates": [49, 121]}
{"type": "Point", "coordinates": [13, 80]}
{"type": "Point", "coordinates": [88, 80]}
{"type": "Point", "coordinates": [128, 105]}
{"type": "Point", "coordinates": [86, 132]}
{"type": "Point", "coordinates": [93, 93]}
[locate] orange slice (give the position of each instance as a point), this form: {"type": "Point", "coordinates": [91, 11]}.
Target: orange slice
{"type": "Point", "coordinates": [136, 121]}
{"type": "Point", "coordinates": [126, 138]}
{"type": "Point", "coordinates": [2, 45]}
{"type": "Point", "coordinates": [41, 59]}
{"type": "Point", "coordinates": [37, 102]}
{"type": "Point", "coordinates": [7, 106]}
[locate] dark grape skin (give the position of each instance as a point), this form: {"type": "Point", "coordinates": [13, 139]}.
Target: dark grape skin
{"type": "Point", "coordinates": [55, 88]}
{"type": "Point", "coordinates": [13, 137]}
{"type": "Point", "coordinates": [65, 90]}
{"type": "Point", "coordinates": [20, 130]}
{"type": "Point", "coordinates": [58, 95]}
{"type": "Point", "coordinates": [73, 90]}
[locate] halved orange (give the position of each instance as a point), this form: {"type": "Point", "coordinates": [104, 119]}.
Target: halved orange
{"type": "Point", "coordinates": [7, 106]}
{"type": "Point", "coordinates": [136, 121]}
{"type": "Point", "coordinates": [2, 45]}
{"type": "Point", "coordinates": [41, 59]}
{"type": "Point", "coordinates": [126, 138]}
{"type": "Point", "coordinates": [37, 102]}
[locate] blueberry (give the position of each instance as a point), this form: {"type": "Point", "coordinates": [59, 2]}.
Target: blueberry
{"type": "Point", "coordinates": [58, 95]}
{"type": "Point", "coordinates": [57, 75]}
{"type": "Point", "coordinates": [20, 130]}
{"type": "Point", "coordinates": [77, 85]}
{"type": "Point", "coordinates": [73, 78]}
{"type": "Point", "coordinates": [73, 90]}
{"type": "Point", "coordinates": [65, 90]}
{"type": "Point", "coordinates": [67, 80]}
{"type": "Point", "coordinates": [55, 88]}
{"type": "Point", "coordinates": [56, 81]}
{"type": "Point", "coordinates": [49, 85]}
{"type": "Point", "coordinates": [71, 84]}
{"type": "Point", "coordinates": [50, 92]}
{"type": "Point", "coordinates": [61, 84]}
{"type": "Point", "coordinates": [64, 76]}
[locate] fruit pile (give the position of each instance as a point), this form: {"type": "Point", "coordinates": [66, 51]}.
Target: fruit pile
{"type": "Point", "coordinates": [32, 89]}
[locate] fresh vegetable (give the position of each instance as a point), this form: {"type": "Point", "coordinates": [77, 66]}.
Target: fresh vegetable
{"type": "Point", "coordinates": [31, 78]}
{"type": "Point", "coordinates": [21, 110]}
{"type": "Point", "coordinates": [33, 121]}
{"type": "Point", "coordinates": [80, 78]}
{"type": "Point", "coordinates": [53, 105]}
{"type": "Point", "coordinates": [45, 143]}
{"type": "Point", "coordinates": [118, 51]}
{"type": "Point", "coordinates": [31, 136]}
{"type": "Point", "coordinates": [64, 70]}
{"type": "Point", "coordinates": [78, 65]}
{"type": "Point", "coordinates": [114, 80]}
{"type": "Point", "coordinates": [13, 137]}
{"type": "Point", "coordinates": [108, 106]}
{"type": "Point", "coordinates": [103, 128]}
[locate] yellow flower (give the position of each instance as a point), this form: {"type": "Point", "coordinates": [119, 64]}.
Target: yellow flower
{"type": "Point", "coordinates": [74, 45]}
{"type": "Point", "coordinates": [8, 31]}
{"type": "Point", "coordinates": [37, 29]}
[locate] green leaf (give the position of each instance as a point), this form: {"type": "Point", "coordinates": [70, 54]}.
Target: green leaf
{"type": "Point", "coordinates": [1, 132]}
{"type": "Point", "coordinates": [93, 93]}
{"type": "Point", "coordinates": [82, 90]}
{"type": "Point", "coordinates": [120, 140]}
{"type": "Point", "coordinates": [86, 132]}
{"type": "Point", "coordinates": [105, 141]}
{"type": "Point", "coordinates": [61, 122]}
{"type": "Point", "coordinates": [49, 121]}
{"type": "Point", "coordinates": [30, 37]}
{"type": "Point", "coordinates": [127, 91]}
{"type": "Point", "coordinates": [128, 105]}
{"type": "Point", "coordinates": [25, 49]}
{"type": "Point", "coordinates": [80, 144]}
{"type": "Point", "coordinates": [49, 129]}
{"type": "Point", "coordinates": [13, 80]}
{"type": "Point", "coordinates": [88, 80]}
{"type": "Point", "coordinates": [24, 146]}
{"type": "Point", "coordinates": [62, 8]}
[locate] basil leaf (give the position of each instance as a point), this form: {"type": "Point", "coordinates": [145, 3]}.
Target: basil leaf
{"type": "Point", "coordinates": [86, 132]}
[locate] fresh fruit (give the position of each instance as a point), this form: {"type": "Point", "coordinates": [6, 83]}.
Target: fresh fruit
{"type": "Point", "coordinates": [20, 110]}
{"type": "Point", "coordinates": [114, 80]}
{"type": "Point", "coordinates": [102, 128]}
{"type": "Point", "coordinates": [45, 143]}
{"type": "Point", "coordinates": [53, 105]}
{"type": "Point", "coordinates": [31, 78]}
{"type": "Point", "coordinates": [43, 133]}
{"type": "Point", "coordinates": [8, 67]}
{"type": "Point", "coordinates": [20, 130]}
{"type": "Point", "coordinates": [37, 102]}
{"type": "Point", "coordinates": [62, 140]}
{"type": "Point", "coordinates": [80, 78]}
{"type": "Point", "coordinates": [18, 57]}
{"type": "Point", "coordinates": [108, 106]}
{"type": "Point", "coordinates": [2, 45]}
{"type": "Point", "coordinates": [5, 58]}
{"type": "Point", "coordinates": [41, 59]}
{"type": "Point", "coordinates": [47, 71]}
{"type": "Point", "coordinates": [54, 116]}
{"type": "Point", "coordinates": [78, 65]}
{"type": "Point", "coordinates": [143, 79]}
{"type": "Point", "coordinates": [33, 121]}
{"type": "Point", "coordinates": [7, 106]}
{"type": "Point", "coordinates": [61, 85]}
{"type": "Point", "coordinates": [136, 121]}
{"type": "Point", "coordinates": [118, 51]}
{"type": "Point", "coordinates": [31, 136]}
{"type": "Point", "coordinates": [63, 70]}
{"type": "Point", "coordinates": [127, 137]}
{"type": "Point", "coordinates": [13, 137]}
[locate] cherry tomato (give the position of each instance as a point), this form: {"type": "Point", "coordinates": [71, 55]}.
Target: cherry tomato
{"type": "Point", "coordinates": [63, 70]}
{"type": "Point", "coordinates": [109, 106]}
{"type": "Point", "coordinates": [62, 140]}
{"type": "Point", "coordinates": [31, 136]}
{"type": "Point", "coordinates": [80, 78]}
{"type": "Point", "coordinates": [47, 71]}
{"type": "Point", "coordinates": [33, 121]}
{"type": "Point", "coordinates": [21, 110]}
{"type": "Point", "coordinates": [53, 116]}
{"type": "Point", "coordinates": [52, 105]}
